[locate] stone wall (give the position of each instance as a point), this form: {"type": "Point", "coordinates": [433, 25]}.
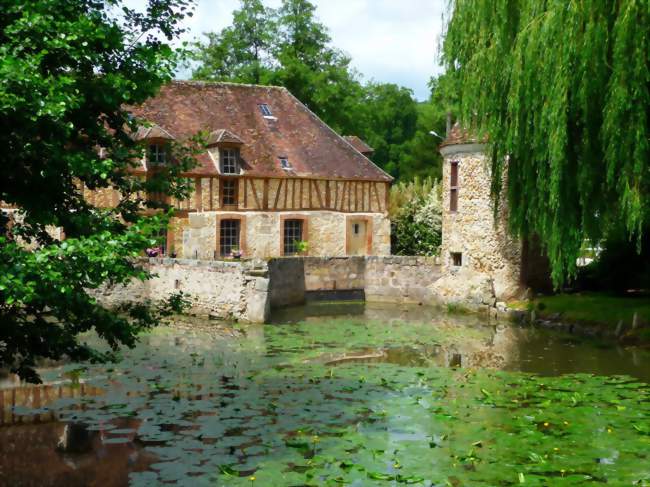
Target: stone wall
{"type": "Point", "coordinates": [491, 258]}
{"type": "Point", "coordinates": [223, 290]}
{"type": "Point", "coordinates": [402, 280]}
{"type": "Point", "coordinates": [287, 281]}
{"type": "Point", "coordinates": [334, 273]}
{"type": "Point", "coordinates": [394, 279]}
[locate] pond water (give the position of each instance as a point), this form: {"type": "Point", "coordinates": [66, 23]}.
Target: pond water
{"type": "Point", "coordinates": [355, 395]}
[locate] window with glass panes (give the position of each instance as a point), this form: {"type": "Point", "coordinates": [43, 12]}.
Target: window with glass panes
{"type": "Point", "coordinates": [228, 236]}
{"type": "Point", "coordinates": [229, 159]}
{"type": "Point", "coordinates": [453, 187]}
{"type": "Point", "coordinates": [292, 235]}
{"type": "Point", "coordinates": [157, 154]}
{"type": "Point", "coordinates": [228, 192]}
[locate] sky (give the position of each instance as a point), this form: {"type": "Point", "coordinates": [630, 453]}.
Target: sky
{"type": "Point", "coordinates": [392, 41]}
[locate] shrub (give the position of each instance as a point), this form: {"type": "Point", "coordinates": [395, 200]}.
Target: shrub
{"type": "Point", "coordinates": [416, 215]}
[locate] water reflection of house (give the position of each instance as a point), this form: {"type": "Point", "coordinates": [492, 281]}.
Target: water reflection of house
{"type": "Point", "coordinates": [38, 397]}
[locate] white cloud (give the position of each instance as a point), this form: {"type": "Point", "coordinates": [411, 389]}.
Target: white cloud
{"type": "Point", "coordinates": [392, 41]}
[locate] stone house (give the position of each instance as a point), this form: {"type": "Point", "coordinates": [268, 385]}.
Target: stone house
{"type": "Point", "coordinates": [480, 258]}
{"type": "Point", "coordinates": [273, 180]}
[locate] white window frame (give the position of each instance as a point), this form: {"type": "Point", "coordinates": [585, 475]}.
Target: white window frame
{"type": "Point", "coordinates": [229, 160]}
{"type": "Point", "coordinates": [265, 109]}
{"type": "Point", "coordinates": [157, 154]}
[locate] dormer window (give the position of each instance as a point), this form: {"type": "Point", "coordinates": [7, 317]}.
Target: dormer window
{"type": "Point", "coordinates": [266, 111]}
{"type": "Point", "coordinates": [229, 161]}
{"type": "Point", "coordinates": [284, 163]}
{"type": "Point", "coordinates": [157, 154]}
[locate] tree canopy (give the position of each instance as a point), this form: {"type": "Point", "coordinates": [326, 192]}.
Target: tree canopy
{"type": "Point", "coordinates": [289, 47]}
{"type": "Point", "coordinates": [70, 69]}
{"type": "Point", "coordinates": [562, 90]}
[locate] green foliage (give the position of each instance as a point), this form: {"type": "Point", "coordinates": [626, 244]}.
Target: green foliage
{"type": "Point", "coordinates": [416, 217]}
{"type": "Point", "coordinates": [242, 51]}
{"type": "Point", "coordinates": [290, 48]}
{"type": "Point", "coordinates": [620, 266]}
{"type": "Point", "coordinates": [286, 47]}
{"type": "Point", "coordinates": [562, 90]}
{"type": "Point", "coordinates": [422, 157]}
{"type": "Point", "coordinates": [388, 116]}
{"type": "Point", "coordinates": [69, 69]}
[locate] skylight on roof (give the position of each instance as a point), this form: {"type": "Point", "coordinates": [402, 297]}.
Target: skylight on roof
{"type": "Point", "coordinates": [266, 111]}
{"type": "Point", "coordinates": [284, 163]}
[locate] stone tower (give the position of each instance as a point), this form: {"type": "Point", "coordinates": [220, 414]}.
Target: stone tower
{"type": "Point", "coordinates": [481, 262]}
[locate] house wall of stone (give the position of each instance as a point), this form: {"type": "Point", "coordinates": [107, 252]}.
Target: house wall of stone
{"type": "Point", "coordinates": [262, 233]}
{"type": "Point", "coordinates": [491, 258]}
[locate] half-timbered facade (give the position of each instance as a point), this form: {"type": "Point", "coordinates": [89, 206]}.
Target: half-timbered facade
{"type": "Point", "coordinates": [275, 180]}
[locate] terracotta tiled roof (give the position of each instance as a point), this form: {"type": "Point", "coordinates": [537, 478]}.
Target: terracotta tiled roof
{"type": "Point", "coordinates": [359, 144]}
{"type": "Point", "coordinates": [293, 131]}
{"type": "Point", "coordinates": [458, 135]}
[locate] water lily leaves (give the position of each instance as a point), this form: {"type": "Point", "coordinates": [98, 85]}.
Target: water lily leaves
{"type": "Point", "coordinates": [305, 404]}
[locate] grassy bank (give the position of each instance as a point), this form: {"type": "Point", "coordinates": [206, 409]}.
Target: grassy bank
{"type": "Point", "coordinates": [597, 309]}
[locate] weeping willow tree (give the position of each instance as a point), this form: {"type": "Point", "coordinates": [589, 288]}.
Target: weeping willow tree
{"type": "Point", "coordinates": [561, 89]}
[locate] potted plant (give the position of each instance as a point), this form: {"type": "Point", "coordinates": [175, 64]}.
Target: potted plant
{"type": "Point", "coordinates": [235, 253]}
{"type": "Point", "coordinates": [302, 247]}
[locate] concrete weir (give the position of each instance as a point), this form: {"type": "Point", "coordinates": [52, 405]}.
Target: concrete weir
{"type": "Point", "coordinates": [248, 290]}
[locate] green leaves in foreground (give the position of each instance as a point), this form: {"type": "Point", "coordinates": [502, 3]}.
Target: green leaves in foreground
{"type": "Point", "coordinates": [70, 69]}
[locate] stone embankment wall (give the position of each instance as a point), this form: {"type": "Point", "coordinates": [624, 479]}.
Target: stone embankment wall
{"type": "Point", "coordinates": [394, 279]}
{"type": "Point", "coordinates": [247, 290]}
{"type": "Point", "coordinates": [402, 280]}
{"type": "Point", "coordinates": [223, 290]}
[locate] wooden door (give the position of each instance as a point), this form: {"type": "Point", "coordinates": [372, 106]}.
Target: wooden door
{"type": "Point", "coordinates": [357, 237]}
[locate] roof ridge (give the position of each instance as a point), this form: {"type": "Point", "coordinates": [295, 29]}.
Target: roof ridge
{"type": "Point", "coordinates": [192, 82]}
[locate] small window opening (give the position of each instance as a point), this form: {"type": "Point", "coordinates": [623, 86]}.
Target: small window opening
{"type": "Point", "coordinates": [229, 161]}
{"type": "Point", "coordinates": [453, 187]}
{"type": "Point", "coordinates": [292, 235]}
{"type": "Point", "coordinates": [266, 111]}
{"type": "Point", "coordinates": [229, 192]}
{"type": "Point", "coordinates": [456, 259]}
{"type": "Point", "coordinates": [157, 154]}
{"type": "Point", "coordinates": [356, 228]}
{"type": "Point", "coordinates": [284, 163]}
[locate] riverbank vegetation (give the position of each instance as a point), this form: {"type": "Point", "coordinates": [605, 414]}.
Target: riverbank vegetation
{"type": "Point", "coordinates": [602, 310]}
